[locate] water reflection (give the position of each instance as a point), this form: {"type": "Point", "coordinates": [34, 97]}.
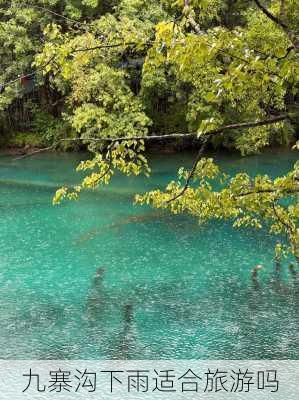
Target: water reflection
{"type": "Point", "coordinates": [98, 299]}
{"type": "Point", "coordinates": [122, 222]}
{"type": "Point", "coordinates": [118, 332]}
{"type": "Point", "coordinates": [125, 344]}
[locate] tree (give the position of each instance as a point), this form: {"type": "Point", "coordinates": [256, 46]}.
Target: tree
{"type": "Point", "coordinates": [22, 26]}
{"type": "Point", "coordinates": [227, 70]}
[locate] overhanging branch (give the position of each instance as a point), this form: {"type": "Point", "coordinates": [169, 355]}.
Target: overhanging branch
{"type": "Point", "coordinates": [288, 227]}
{"type": "Point", "coordinates": [33, 153]}
{"type": "Point", "coordinates": [268, 191]}
{"type": "Point", "coordinates": [192, 172]}
{"type": "Point", "coordinates": [204, 139]}
{"type": "Point", "coordinates": [243, 125]}
{"type": "Point", "coordinates": [207, 136]}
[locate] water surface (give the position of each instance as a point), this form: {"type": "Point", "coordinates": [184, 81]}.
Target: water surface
{"type": "Point", "coordinates": [170, 289]}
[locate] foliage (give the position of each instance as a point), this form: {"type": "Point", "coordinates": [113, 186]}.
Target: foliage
{"type": "Point", "coordinates": [26, 139]}
{"type": "Point", "coordinates": [125, 157]}
{"type": "Point", "coordinates": [120, 70]}
{"type": "Point", "coordinates": [247, 202]}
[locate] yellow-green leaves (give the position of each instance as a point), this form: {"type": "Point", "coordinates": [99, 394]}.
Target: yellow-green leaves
{"type": "Point", "coordinates": [159, 65]}
{"type": "Point", "coordinates": [119, 156]}
{"type": "Point", "coordinates": [60, 195]}
{"type": "Point", "coordinates": [247, 202]}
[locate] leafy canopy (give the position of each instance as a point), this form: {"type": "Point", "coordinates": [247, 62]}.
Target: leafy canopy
{"type": "Point", "coordinates": [223, 73]}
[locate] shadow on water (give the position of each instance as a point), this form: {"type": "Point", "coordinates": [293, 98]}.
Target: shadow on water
{"type": "Point", "coordinates": [172, 289]}
{"type": "Point", "coordinates": [123, 346]}
{"type": "Point", "coordinates": [110, 321]}
{"type": "Point", "coordinates": [122, 222]}
{"type": "Point", "coordinates": [30, 184]}
{"type": "Point", "coordinates": [114, 325]}
{"type": "Point", "coordinates": [20, 206]}
{"type": "Point", "coordinates": [171, 222]}
{"type": "Point", "coordinates": [117, 325]}
{"type": "Point", "coordinates": [97, 298]}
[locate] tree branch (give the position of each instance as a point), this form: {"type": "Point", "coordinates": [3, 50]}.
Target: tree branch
{"type": "Point", "coordinates": [288, 227]}
{"type": "Point", "coordinates": [291, 34]}
{"type": "Point", "coordinates": [34, 153]}
{"type": "Point", "coordinates": [289, 49]}
{"type": "Point", "coordinates": [172, 136]}
{"type": "Point", "coordinates": [267, 191]}
{"type": "Point", "coordinates": [108, 46]}
{"type": "Point", "coordinates": [191, 173]}
{"type": "Point", "coordinates": [200, 153]}
{"type": "Point", "coordinates": [198, 157]}
{"type": "Point", "coordinates": [193, 23]}
{"type": "Point", "coordinates": [72, 21]}
{"type": "Point", "coordinates": [271, 16]}
{"type": "Point", "coordinates": [242, 125]}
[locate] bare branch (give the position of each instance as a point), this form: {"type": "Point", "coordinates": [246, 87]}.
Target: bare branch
{"type": "Point", "coordinates": [179, 135]}
{"type": "Point", "coordinates": [222, 129]}
{"type": "Point", "coordinates": [34, 153]}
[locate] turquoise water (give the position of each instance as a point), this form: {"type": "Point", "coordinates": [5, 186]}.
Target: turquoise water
{"type": "Point", "coordinates": [170, 289]}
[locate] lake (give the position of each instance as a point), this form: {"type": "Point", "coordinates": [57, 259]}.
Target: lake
{"type": "Point", "coordinates": [103, 279]}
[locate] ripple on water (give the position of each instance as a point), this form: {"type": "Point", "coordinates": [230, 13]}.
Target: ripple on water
{"type": "Point", "coordinates": [187, 287]}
